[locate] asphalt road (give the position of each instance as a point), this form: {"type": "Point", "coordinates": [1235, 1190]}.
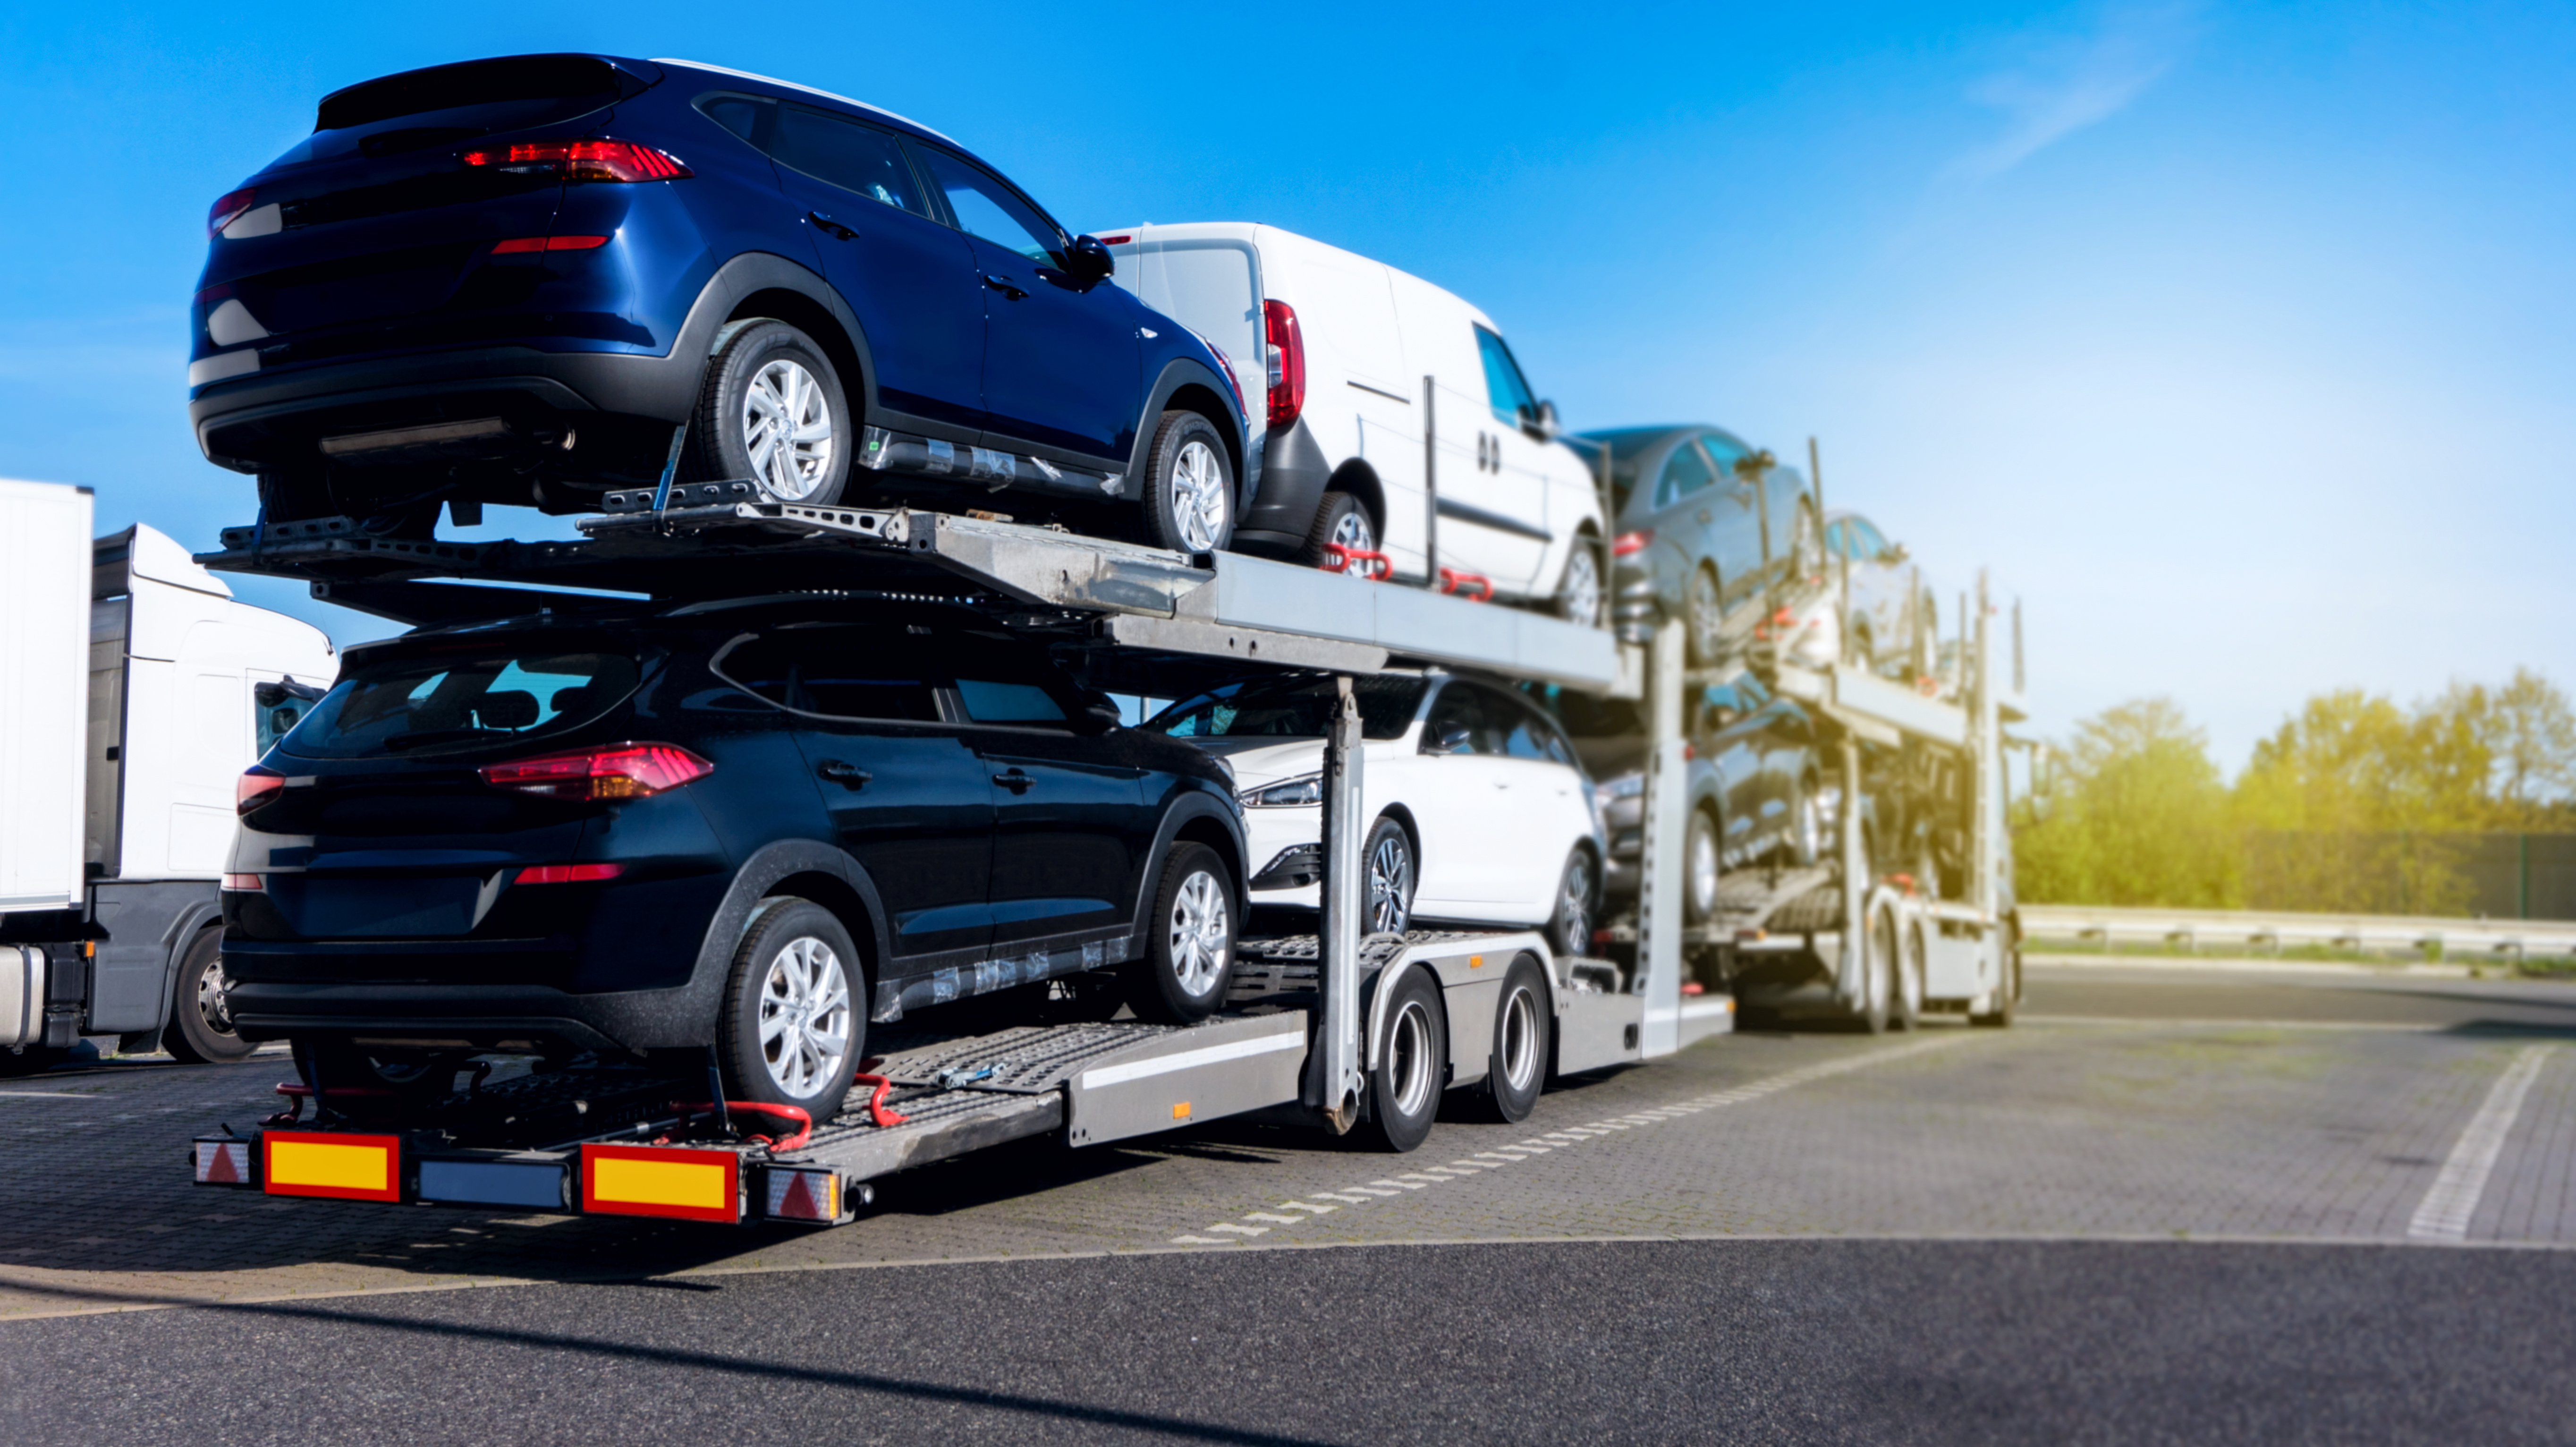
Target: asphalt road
{"type": "Point", "coordinates": [2178, 1205]}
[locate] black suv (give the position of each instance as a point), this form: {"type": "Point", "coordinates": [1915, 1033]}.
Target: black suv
{"type": "Point", "coordinates": [756, 827]}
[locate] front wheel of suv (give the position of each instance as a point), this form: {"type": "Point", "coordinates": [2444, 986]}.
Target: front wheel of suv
{"type": "Point", "coordinates": [1189, 486]}
{"type": "Point", "coordinates": [772, 410]}
{"type": "Point", "coordinates": [792, 1030]}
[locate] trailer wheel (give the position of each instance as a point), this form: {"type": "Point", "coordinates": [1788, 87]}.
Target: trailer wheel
{"type": "Point", "coordinates": [1905, 1006]}
{"type": "Point", "coordinates": [2009, 992]}
{"type": "Point", "coordinates": [201, 1018]}
{"type": "Point", "coordinates": [1412, 1067]}
{"type": "Point", "coordinates": [1189, 946]}
{"type": "Point", "coordinates": [1878, 967]}
{"type": "Point", "coordinates": [791, 1030]}
{"type": "Point", "coordinates": [1518, 1067]}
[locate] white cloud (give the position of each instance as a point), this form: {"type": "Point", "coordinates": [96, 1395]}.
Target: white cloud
{"type": "Point", "coordinates": [2063, 83]}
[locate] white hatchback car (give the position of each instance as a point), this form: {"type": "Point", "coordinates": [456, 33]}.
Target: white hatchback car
{"type": "Point", "coordinates": [1479, 812]}
{"type": "Point", "coordinates": [1356, 361]}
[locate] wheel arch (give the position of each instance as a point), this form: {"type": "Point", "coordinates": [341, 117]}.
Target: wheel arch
{"type": "Point", "coordinates": [1186, 384]}
{"type": "Point", "coordinates": [1201, 819]}
{"type": "Point", "coordinates": [815, 320]}
{"type": "Point", "coordinates": [765, 284]}
{"type": "Point", "coordinates": [1360, 481]}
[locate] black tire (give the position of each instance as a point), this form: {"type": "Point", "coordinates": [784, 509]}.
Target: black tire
{"type": "Point", "coordinates": [778, 363]}
{"type": "Point", "coordinates": [201, 1023]}
{"type": "Point", "coordinates": [2001, 1017]}
{"type": "Point", "coordinates": [795, 952]}
{"type": "Point", "coordinates": [1578, 894]}
{"type": "Point", "coordinates": [1583, 589]}
{"type": "Point", "coordinates": [1412, 1069]}
{"type": "Point", "coordinates": [1703, 864]}
{"type": "Point", "coordinates": [1189, 499]}
{"type": "Point", "coordinates": [1704, 618]}
{"type": "Point", "coordinates": [1878, 966]}
{"type": "Point", "coordinates": [1189, 940]}
{"type": "Point", "coordinates": [1389, 875]}
{"type": "Point", "coordinates": [1517, 1070]}
{"type": "Point", "coordinates": [1905, 1000]}
{"type": "Point", "coordinates": [1343, 519]}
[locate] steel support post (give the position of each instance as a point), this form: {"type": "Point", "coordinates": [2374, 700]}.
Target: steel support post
{"type": "Point", "coordinates": [1333, 1071]}
{"type": "Point", "coordinates": [1851, 973]}
{"type": "Point", "coordinates": [1666, 827]}
{"type": "Point", "coordinates": [1985, 840]}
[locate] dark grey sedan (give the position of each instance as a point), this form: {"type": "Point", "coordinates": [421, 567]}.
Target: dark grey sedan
{"type": "Point", "coordinates": [1705, 526]}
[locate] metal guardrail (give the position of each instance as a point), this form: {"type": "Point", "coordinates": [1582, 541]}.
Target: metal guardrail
{"type": "Point", "coordinates": [2195, 928]}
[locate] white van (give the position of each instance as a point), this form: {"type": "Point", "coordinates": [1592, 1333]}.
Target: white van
{"type": "Point", "coordinates": [1358, 361]}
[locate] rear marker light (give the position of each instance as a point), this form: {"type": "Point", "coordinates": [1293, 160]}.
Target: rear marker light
{"type": "Point", "coordinates": [254, 788]}
{"type": "Point", "coordinates": [569, 873]}
{"type": "Point", "coordinates": [1626, 543]}
{"type": "Point", "coordinates": [612, 771]}
{"type": "Point", "coordinates": [341, 1167]}
{"type": "Point", "coordinates": [673, 1181]}
{"type": "Point", "coordinates": [548, 243]}
{"type": "Point", "coordinates": [227, 209]}
{"type": "Point", "coordinates": [804, 1195]}
{"type": "Point", "coordinates": [224, 1163]}
{"type": "Point", "coordinates": [1287, 348]}
{"type": "Point", "coordinates": [583, 160]}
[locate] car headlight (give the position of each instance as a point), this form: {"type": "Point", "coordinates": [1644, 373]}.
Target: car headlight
{"type": "Point", "coordinates": [1287, 793]}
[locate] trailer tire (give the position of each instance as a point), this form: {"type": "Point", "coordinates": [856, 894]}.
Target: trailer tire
{"type": "Point", "coordinates": [797, 967]}
{"type": "Point", "coordinates": [1189, 939]}
{"type": "Point", "coordinates": [1517, 1069]}
{"type": "Point", "coordinates": [1878, 969]}
{"type": "Point", "coordinates": [1905, 1002]}
{"type": "Point", "coordinates": [2001, 1017]}
{"type": "Point", "coordinates": [201, 1023]}
{"type": "Point", "coordinates": [1412, 1067]}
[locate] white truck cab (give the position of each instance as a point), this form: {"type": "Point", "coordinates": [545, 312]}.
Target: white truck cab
{"type": "Point", "coordinates": [139, 691]}
{"type": "Point", "coordinates": [1359, 363]}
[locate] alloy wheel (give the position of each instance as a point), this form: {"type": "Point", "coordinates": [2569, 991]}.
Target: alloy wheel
{"type": "Point", "coordinates": [1574, 905]}
{"type": "Point", "coordinates": [805, 1017]}
{"type": "Point", "coordinates": [1390, 886]}
{"type": "Point", "coordinates": [1352, 534]}
{"type": "Point", "coordinates": [1520, 1036]}
{"type": "Point", "coordinates": [1707, 615]}
{"type": "Point", "coordinates": [1409, 1062]}
{"type": "Point", "coordinates": [787, 429]}
{"type": "Point", "coordinates": [1199, 502]}
{"type": "Point", "coordinates": [1578, 598]}
{"type": "Point", "coordinates": [1198, 933]}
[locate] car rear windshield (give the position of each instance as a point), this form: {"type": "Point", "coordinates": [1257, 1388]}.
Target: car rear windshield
{"type": "Point", "coordinates": [444, 702]}
{"type": "Point", "coordinates": [449, 103]}
{"type": "Point", "coordinates": [1289, 708]}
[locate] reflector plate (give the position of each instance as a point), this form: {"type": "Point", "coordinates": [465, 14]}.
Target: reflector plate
{"type": "Point", "coordinates": [224, 1163]}
{"type": "Point", "coordinates": [804, 1195]}
{"type": "Point", "coordinates": [343, 1167]}
{"type": "Point", "coordinates": [661, 1181]}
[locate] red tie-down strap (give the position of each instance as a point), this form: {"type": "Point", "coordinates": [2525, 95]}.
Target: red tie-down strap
{"type": "Point", "coordinates": [877, 1111]}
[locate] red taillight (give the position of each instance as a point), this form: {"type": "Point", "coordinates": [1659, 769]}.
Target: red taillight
{"type": "Point", "coordinates": [244, 883]}
{"type": "Point", "coordinates": [255, 788]}
{"type": "Point", "coordinates": [612, 771]}
{"type": "Point", "coordinates": [1626, 543]}
{"type": "Point", "coordinates": [1287, 362]}
{"type": "Point", "coordinates": [569, 873]}
{"type": "Point", "coordinates": [548, 243]}
{"type": "Point", "coordinates": [227, 209]}
{"type": "Point", "coordinates": [583, 160]}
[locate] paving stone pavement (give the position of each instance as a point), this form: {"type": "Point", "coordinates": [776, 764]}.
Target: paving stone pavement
{"type": "Point", "coordinates": [2137, 1129]}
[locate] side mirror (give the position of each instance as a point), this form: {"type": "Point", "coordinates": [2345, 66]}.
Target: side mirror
{"type": "Point", "coordinates": [1089, 261]}
{"type": "Point", "coordinates": [1540, 422]}
{"type": "Point", "coordinates": [1451, 740]}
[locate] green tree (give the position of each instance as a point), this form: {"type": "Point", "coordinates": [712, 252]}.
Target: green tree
{"type": "Point", "coordinates": [2531, 737]}
{"type": "Point", "coordinates": [2134, 814]}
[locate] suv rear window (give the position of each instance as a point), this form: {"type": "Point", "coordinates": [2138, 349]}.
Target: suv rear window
{"type": "Point", "coordinates": [575, 79]}
{"type": "Point", "coordinates": [441, 702]}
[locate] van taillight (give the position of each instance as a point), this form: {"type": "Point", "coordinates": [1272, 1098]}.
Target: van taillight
{"type": "Point", "coordinates": [257, 787]}
{"type": "Point", "coordinates": [582, 160]}
{"type": "Point", "coordinates": [611, 771]}
{"type": "Point", "coordinates": [1287, 362]}
{"type": "Point", "coordinates": [227, 209]}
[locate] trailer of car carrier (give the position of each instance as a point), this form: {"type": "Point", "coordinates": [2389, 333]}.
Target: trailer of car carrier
{"type": "Point", "coordinates": [1331, 1028]}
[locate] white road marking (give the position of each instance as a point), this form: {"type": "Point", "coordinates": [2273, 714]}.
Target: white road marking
{"type": "Point", "coordinates": [1406, 1185]}
{"type": "Point", "coordinates": [1240, 1230]}
{"type": "Point", "coordinates": [1272, 1216]}
{"type": "Point", "coordinates": [2445, 1211]}
{"type": "Point", "coordinates": [1366, 1191]}
{"type": "Point", "coordinates": [1204, 1241]}
{"type": "Point", "coordinates": [1351, 1197]}
{"type": "Point", "coordinates": [1302, 1206]}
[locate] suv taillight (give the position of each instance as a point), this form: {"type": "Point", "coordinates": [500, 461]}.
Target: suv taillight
{"type": "Point", "coordinates": [255, 787]}
{"type": "Point", "coordinates": [582, 160]}
{"type": "Point", "coordinates": [1287, 362]}
{"type": "Point", "coordinates": [611, 771]}
{"type": "Point", "coordinates": [227, 209]}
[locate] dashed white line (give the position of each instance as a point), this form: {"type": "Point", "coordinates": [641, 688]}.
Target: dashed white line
{"type": "Point", "coordinates": [2445, 1210]}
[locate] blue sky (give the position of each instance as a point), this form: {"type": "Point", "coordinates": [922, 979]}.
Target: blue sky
{"type": "Point", "coordinates": [2235, 339]}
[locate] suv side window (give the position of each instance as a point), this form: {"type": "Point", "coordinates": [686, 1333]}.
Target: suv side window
{"type": "Point", "coordinates": [1723, 450]}
{"type": "Point", "coordinates": [835, 673]}
{"type": "Point", "coordinates": [1872, 545]}
{"type": "Point", "coordinates": [1505, 387]}
{"type": "Point", "coordinates": [1685, 472]}
{"type": "Point", "coordinates": [851, 156]}
{"type": "Point", "coordinates": [992, 701]}
{"type": "Point", "coordinates": [987, 207]}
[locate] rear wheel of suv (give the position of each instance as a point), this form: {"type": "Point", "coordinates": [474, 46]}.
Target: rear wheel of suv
{"type": "Point", "coordinates": [772, 410]}
{"type": "Point", "coordinates": [1189, 486]}
{"type": "Point", "coordinates": [1569, 929]}
{"type": "Point", "coordinates": [1189, 950]}
{"type": "Point", "coordinates": [1704, 611]}
{"type": "Point", "coordinates": [792, 1030]}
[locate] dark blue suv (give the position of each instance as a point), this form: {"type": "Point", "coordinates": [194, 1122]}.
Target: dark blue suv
{"type": "Point", "coordinates": [507, 281]}
{"type": "Point", "coordinates": [753, 826]}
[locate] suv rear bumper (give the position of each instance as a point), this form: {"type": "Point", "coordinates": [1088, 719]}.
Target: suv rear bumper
{"type": "Point", "coordinates": [261, 421]}
{"type": "Point", "coordinates": [489, 1016]}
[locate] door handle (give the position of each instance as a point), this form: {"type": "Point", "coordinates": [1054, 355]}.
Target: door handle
{"type": "Point", "coordinates": [1004, 285]}
{"type": "Point", "coordinates": [1014, 780]}
{"type": "Point", "coordinates": [828, 224]}
{"type": "Point", "coordinates": [848, 776]}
